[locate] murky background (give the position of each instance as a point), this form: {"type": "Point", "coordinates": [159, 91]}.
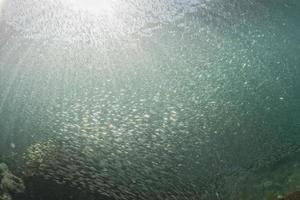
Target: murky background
{"type": "Point", "coordinates": [156, 99]}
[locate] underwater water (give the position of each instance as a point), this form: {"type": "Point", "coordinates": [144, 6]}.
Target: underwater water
{"type": "Point", "coordinates": [149, 99]}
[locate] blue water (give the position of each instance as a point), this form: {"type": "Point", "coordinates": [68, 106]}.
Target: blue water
{"type": "Point", "coordinates": [154, 100]}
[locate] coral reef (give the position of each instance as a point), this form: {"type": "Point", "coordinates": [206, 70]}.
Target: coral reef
{"type": "Point", "coordinates": [9, 183]}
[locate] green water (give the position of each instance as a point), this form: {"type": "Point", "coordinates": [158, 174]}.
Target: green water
{"type": "Point", "coordinates": [158, 100]}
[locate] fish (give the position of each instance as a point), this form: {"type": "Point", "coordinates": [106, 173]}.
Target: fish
{"type": "Point", "coordinates": [12, 145]}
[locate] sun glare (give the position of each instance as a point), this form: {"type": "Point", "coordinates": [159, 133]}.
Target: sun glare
{"type": "Point", "coordinates": [1, 5]}
{"type": "Point", "coordinates": [93, 6]}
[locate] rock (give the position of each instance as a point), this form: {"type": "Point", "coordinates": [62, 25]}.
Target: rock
{"type": "Point", "coordinates": [5, 197]}
{"type": "Point", "coordinates": [12, 184]}
{"type": "Point", "coordinates": [9, 183]}
{"type": "Point", "coordinates": [3, 168]}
